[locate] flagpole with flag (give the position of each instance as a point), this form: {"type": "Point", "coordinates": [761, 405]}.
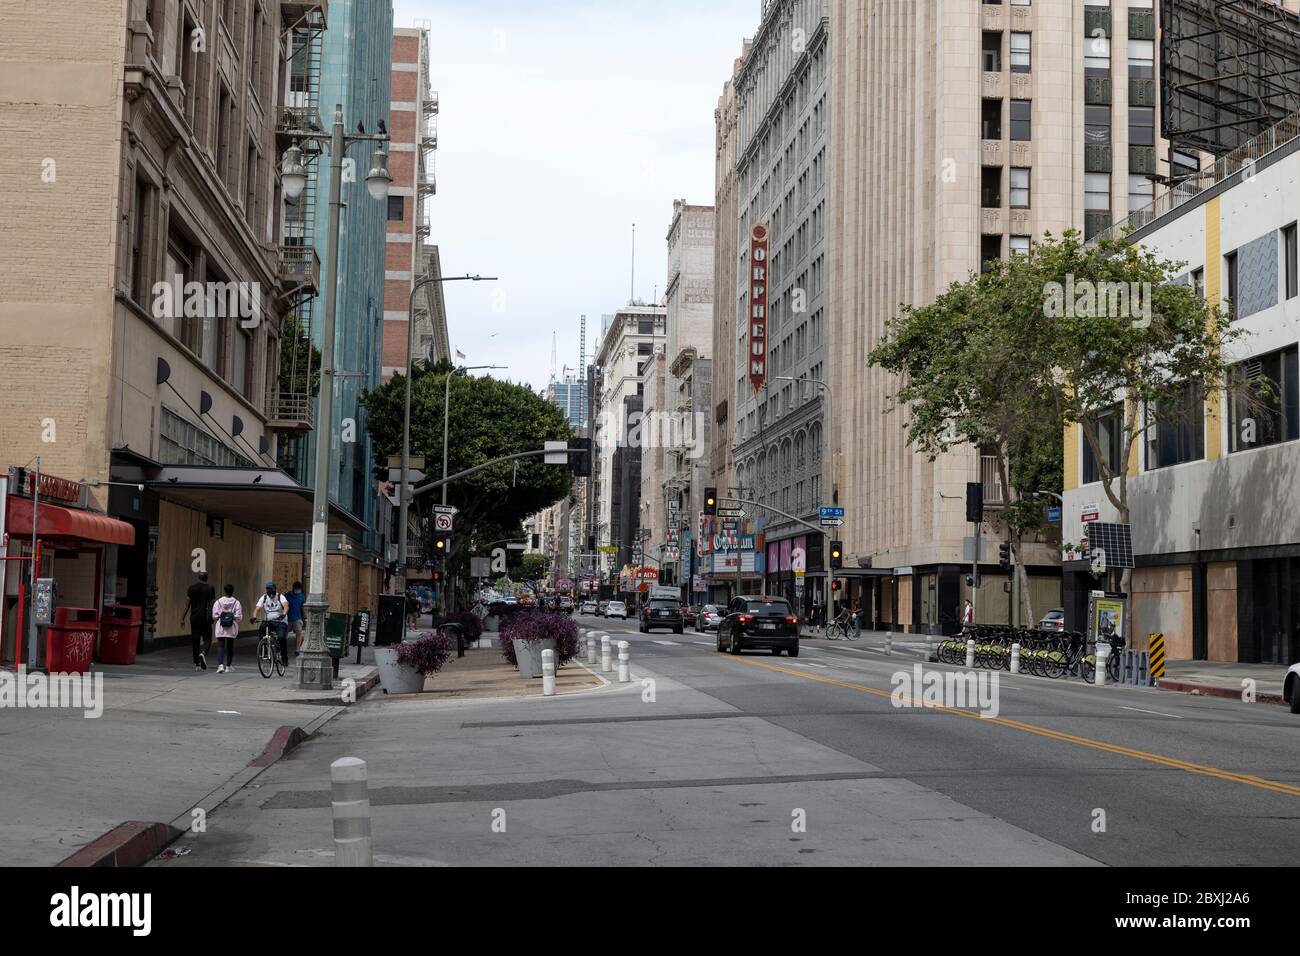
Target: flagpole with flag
{"type": "Point", "coordinates": [460, 355]}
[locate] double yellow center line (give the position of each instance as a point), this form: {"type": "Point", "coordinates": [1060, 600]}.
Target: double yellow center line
{"type": "Point", "coordinates": [1163, 761]}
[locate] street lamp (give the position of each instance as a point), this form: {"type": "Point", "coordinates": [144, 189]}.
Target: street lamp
{"type": "Point", "coordinates": [315, 670]}
{"type": "Point", "coordinates": [405, 499]}
{"type": "Point", "coordinates": [828, 418]}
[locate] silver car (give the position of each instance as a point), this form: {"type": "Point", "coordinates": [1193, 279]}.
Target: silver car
{"type": "Point", "coordinates": [616, 609]}
{"type": "Point", "coordinates": [708, 618]}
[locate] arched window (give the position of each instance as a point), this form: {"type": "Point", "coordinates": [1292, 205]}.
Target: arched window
{"type": "Point", "coordinates": [800, 450]}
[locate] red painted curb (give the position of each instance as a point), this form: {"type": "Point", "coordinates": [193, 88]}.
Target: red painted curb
{"type": "Point", "coordinates": [1227, 693]}
{"type": "Point", "coordinates": [127, 844]}
{"type": "Point", "coordinates": [282, 741]}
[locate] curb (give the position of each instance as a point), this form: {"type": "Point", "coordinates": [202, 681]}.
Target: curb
{"type": "Point", "coordinates": [128, 844]}
{"type": "Point", "coordinates": [137, 842]}
{"type": "Point", "coordinates": [1227, 693]}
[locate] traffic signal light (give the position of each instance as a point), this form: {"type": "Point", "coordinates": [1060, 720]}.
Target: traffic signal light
{"type": "Point", "coordinates": [974, 502]}
{"type": "Point", "coordinates": [1004, 556]}
{"type": "Point", "coordinates": [837, 585]}
{"type": "Point", "coordinates": [837, 555]}
{"type": "Point", "coordinates": [441, 545]}
{"type": "Point", "coordinates": [581, 463]}
{"type": "Point", "coordinates": [710, 501]}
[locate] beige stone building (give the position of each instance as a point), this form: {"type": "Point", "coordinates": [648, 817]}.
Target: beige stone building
{"type": "Point", "coordinates": [143, 292]}
{"type": "Point", "coordinates": [959, 132]}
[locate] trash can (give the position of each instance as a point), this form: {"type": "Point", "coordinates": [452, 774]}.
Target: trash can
{"type": "Point", "coordinates": [121, 635]}
{"type": "Point", "coordinates": [70, 640]}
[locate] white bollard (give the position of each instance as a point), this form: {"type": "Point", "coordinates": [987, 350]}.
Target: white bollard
{"type": "Point", "coordinates": [1015, 658]}
{"type": "Point", "coordinates": [591, 647]}
{"type": "Point", "coordinates": [1103, 652]}
{"type": "Point", "coordinates": [604, 653]}
{"type": "Point", "coordinates": [889, 642]}
{"type": "Point", "coordinates": [624, 655]}
{"type": "Point", "coordinates": [350, 800]}
{"type": "Point", "coordinates": [548, 673]}
{"type": "Point", "coordinates": [970, 652]}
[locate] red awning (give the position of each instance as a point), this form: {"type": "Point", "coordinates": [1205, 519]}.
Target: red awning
{"type": "Point", "coordinates": [54, 521]}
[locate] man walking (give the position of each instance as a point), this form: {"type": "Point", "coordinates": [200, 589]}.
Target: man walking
{"type": "Point", "coordinates": [198, 607]}
{"type": "Point", "coordinates": [274, 608]}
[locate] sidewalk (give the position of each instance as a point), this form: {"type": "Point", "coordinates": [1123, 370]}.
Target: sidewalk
{"type": "Point", "coordinates": [1224, 679]}
{"type": "Point", "coordinates": [169, 736]}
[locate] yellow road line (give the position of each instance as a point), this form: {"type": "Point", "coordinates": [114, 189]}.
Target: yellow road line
{"type": "Point", "coordinates": [1171, 762]}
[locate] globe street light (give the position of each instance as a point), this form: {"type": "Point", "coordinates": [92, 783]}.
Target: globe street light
{"type": "Point", "coordinates": [315, 670]}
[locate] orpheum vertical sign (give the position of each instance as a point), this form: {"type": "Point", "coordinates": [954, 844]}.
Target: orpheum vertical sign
{"type": "Point", "coordinates": [758, 239]}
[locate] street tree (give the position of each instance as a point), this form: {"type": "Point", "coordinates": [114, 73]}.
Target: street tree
{"type": "Point", "coordinates": [1006, 360]}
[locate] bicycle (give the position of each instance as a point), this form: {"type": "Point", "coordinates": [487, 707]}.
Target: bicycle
{"type": "Point", "coordinates": [840, 630]}
{"type": "Point", "coordinates": [268, 653]}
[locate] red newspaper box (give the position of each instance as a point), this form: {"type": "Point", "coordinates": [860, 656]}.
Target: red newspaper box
{"type": "Point", "coordinates": [70, 640]}
{"type": "Point", "coordinates": [121, 636]}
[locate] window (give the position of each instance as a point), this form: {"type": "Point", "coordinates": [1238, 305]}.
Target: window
{"type": "Point", "coordinates": [141, 231]}
{"type": "Point", "coordinates": [1108, 427]}
{"type": "Point", "coordinates": [1289, 259]}
{"type": "Point", "coordinates": [224, 121]}
{"type": "Point", "coordinates": [1141, 126]}
{"type": "Point", "coordinates": [990, 251]}
{"type": "Point", "coordinates": [1019, 245]}
{"type": "Point", "coordinates": [645, 326]}
{"type": "Point", "coordinates": [1020, 52]}
{"type": "Point", "coordinates": [1020, 120]}
{"type": "Point", "coordinates": [991, 119]}
{"type": "Point", "coordinates": [1265, 401]}
{"type": "Point", "coordinates": [181, 443]}
{"type": "Point", "coordinates": [1019, 188]}
{"type": "Point", "coordinates": [992, 53]}
{"type": "Point", "coordinates": [250, 187]}
{"type": "Point", "coordinates": [1177, 432]}
{"type": "Point", "coordinates": [1230, 267]}
{"type": "Point", "coordinates": [238, 375]}
{"type": "Point", "coordinates": [1096, 56]}
{"type": "Point", "coordinates": [991, 187]}
{"type": "Point", "coordinates": [1198, 282]}
{"type": "Point", "coordinates": [1141, 59]}
{"type": "Point", "coordinates": [1096, 125]}
{"type": "Point", "coordinates": [1141, 192]}
{"type": "Point", "coordinates": [1096, 191]}
{"type": "Point", "coordinates": [396, 208]}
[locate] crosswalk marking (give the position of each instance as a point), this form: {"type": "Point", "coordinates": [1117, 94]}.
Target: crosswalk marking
{"type": "Point", "coordinates": [668, 643]}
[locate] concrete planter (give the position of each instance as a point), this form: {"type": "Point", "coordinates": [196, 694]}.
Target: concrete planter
{"type": "Point", "coordinates": [396, 678]}
{"type": "Point", "coordinates": [529, 656]}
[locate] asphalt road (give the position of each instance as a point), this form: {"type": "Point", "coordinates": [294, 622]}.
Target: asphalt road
{"type": "Point", "coordinates": [766, 760]}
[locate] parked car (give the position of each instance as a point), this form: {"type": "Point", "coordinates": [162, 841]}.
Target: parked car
{"type": "Point", "coordinates": [765, 623]}
{"type": "Point", "coordinates": [707, 619]}
{"type": "Point", "coordinates": [602, 607]}
{"type": "Point", "coordinates": [689, 613]}
{"type": "Point", "coordinates": [661, 612]}
{"type": "Point", "coordinates": [1291, 688]}
{"type": "Point", "coordinates": [1053, 620]}
{"type": "Point", "coordinates": [589, 607]}
{"type": "Point", "coordinates": [616, 609]}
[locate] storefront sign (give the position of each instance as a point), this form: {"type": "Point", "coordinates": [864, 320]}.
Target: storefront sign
{"type": "Point", "coordinates": [23, 482]}
{"type": "Point", "coordinates": [758, 239]}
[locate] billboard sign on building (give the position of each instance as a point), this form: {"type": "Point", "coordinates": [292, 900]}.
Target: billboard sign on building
{"type": "Point", "coordinates": [758, 239]}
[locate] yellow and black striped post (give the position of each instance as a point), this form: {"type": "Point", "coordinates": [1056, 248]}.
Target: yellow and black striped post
{"type": "Point", "coordinates": [1156, 660]}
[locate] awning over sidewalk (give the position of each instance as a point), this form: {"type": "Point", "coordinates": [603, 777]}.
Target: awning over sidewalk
{"type": "Point", "coordinates": [265, 499]}
{"type": "Point", "coordinates": [55, 521]}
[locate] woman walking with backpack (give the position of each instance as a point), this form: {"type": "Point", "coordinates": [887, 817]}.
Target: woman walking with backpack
{"type": "Point", "coordinates": [227, 613]}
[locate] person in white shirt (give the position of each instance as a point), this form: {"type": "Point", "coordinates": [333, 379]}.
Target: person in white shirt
{"type": "Point", "coordinates": [274, 608]}
{"type": "Point", "coordinates": [227, 613]}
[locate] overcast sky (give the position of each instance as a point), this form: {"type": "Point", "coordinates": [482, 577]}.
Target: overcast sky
{"type": "Point", "coordinates": [562, 123]}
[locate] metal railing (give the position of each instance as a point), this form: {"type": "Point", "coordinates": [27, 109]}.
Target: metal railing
{"type": "Point", "coordinates": [300, 264]}
{"type": "Point", "coordinates": [991, 480]}
{"type": "Point", "coordinates": [293, 407]}
{"type": "Point", "coordinates": [1243, 156]}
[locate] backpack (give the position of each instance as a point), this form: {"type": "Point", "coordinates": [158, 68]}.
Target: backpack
{"type": "Point", "coordinates": [227, 619]}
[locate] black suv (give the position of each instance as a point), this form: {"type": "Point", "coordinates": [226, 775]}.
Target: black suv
{"type": "Point", "coordinates": [660, 612]}
{"type": "Point", "coordinates": [759, 622]}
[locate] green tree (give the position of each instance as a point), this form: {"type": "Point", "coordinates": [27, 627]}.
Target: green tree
{"type": "Point", "coordinates": [1006, 360]}
{"type": "Point", "coordinates": [488, 419]}
{"type": "Point", "coordinates": [297, 355]}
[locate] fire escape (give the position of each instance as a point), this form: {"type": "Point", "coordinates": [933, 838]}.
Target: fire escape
{"type": "Point", "coordinates": [303, 25]}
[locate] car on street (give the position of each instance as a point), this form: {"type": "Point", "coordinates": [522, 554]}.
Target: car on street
{"type": "Point", "coordinates": [661, 612]}
{"type": "Point", "coordinates": [1053, 620]}
{"type": "Point", "coordinates": [707, 618]}
{"type": "Point", "coordinates": [761, 623]}
{"type": "Point", "coordinates": [689, 612]}
{"type": "Point", "coordinates": [566, 604]}
{"type": "Point", "coordinates": [602, 607]}
{"type": "Point", "coordinates": [616, 609]}
{"type": "Point", "coordinates": [1291, 688]}
{"type": "Point", "coordinates": [589, 607]}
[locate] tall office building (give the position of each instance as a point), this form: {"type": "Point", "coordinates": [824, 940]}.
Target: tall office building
{"type": "Point", "coordinates": [570, 396]}
{"type": "Point", "coordinates": [784, 96]}
{"type": "Point", "coordinates": [959, 132]}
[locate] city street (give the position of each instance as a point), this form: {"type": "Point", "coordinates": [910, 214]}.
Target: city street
{"type": "Point", "coordinates": [734, 751]}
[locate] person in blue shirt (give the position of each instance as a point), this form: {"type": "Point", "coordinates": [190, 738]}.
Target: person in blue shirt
{"type": "Point", "coordinates": [296, 597]}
